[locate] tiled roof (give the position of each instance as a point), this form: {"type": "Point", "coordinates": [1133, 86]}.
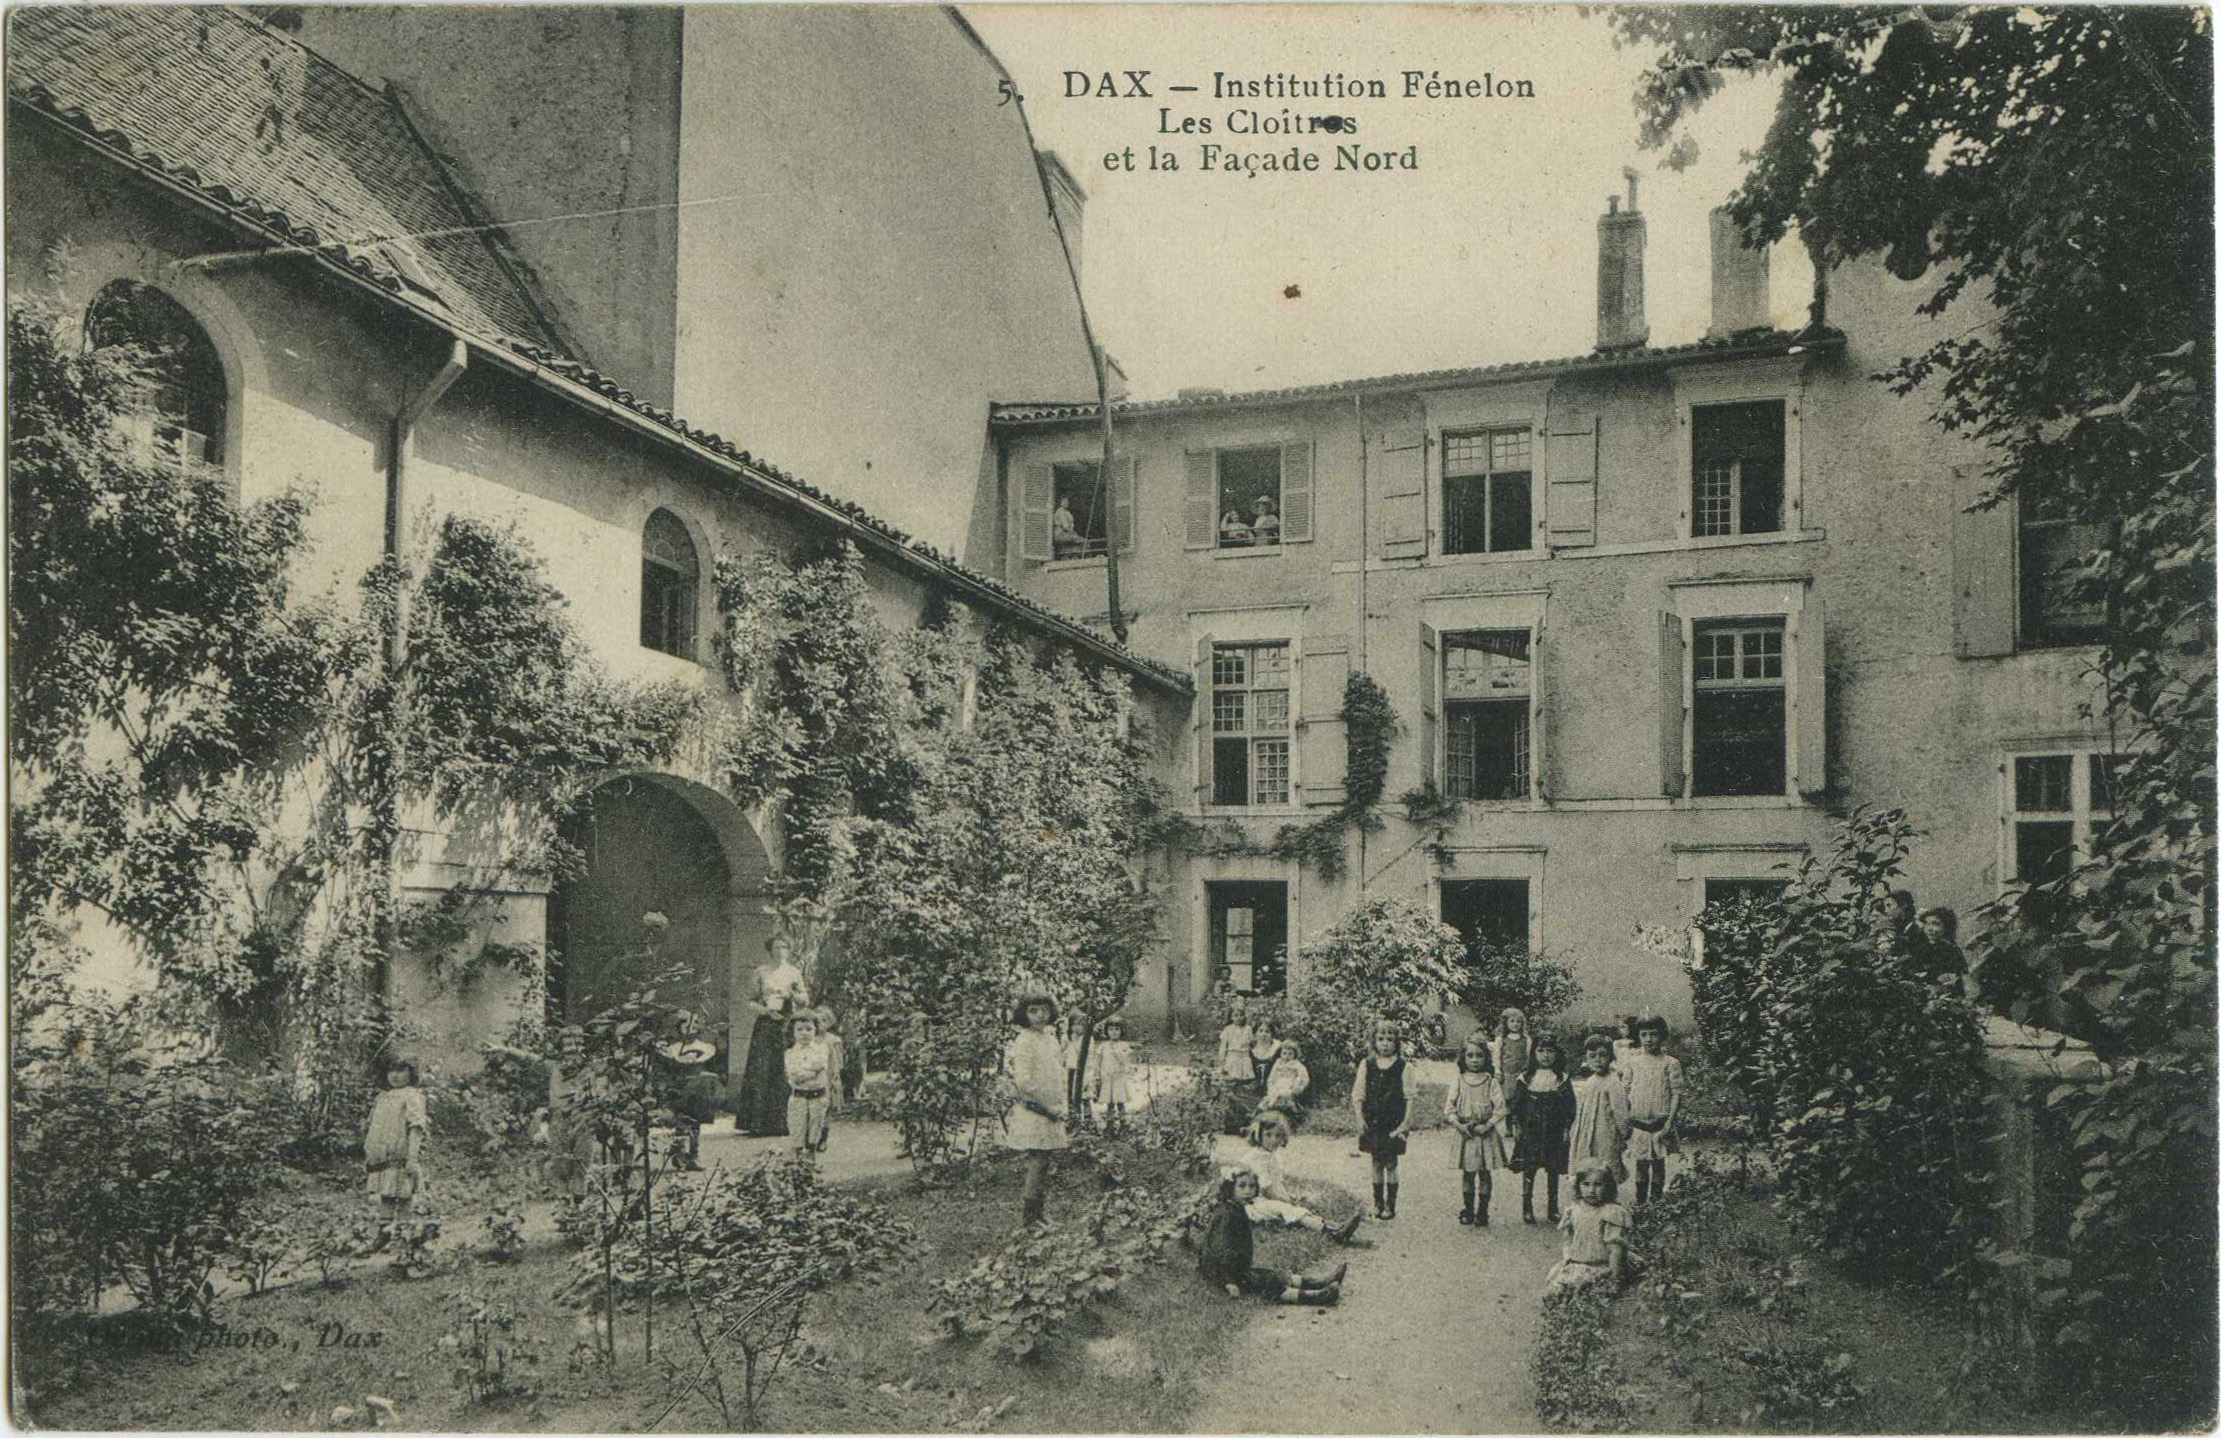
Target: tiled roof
{"type": "Point", "coordinates": [1764, 342]}
{"type": "Point", "coordinates": [105, 73]}
{"type": "Point", "coordinates": [249, 115]}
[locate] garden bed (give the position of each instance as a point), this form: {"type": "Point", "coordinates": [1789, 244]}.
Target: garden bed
{"type": "Point", "coordinates": [288, 1358]}
{"type": "Point", "coordinates": [1735, 1328]}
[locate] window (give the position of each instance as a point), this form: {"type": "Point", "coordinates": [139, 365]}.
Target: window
{"type": "Point", "coordinates": [1492, 911]}
{"type": "Point", "coordinates": [1249, 496]}
{"type": "Point", "coordinates": [1742, 718]}
{"type": "Point", "coordinates": [2054, 609]}
{"type": "Point", "coordinates": [1736, 466]}
{"type": "Point", "coordinates": [1080, 523]}
{"type": "Point", "coordinates": [669, 574]}
{"type": "Point", "coordinates": [1249, 936]}
{"type": "Point", "coordinates": [186, 397]}
{"type": "Point", "coordinates": [1249, 724]}
{"type": "Point", "coordinates": [2055, 803]}
{"type": "Point", "coordinates": [1487, 689]}
{"type": "Point", "coordinates": [1764, 892]}
{"type": "Point", "coordinates": [1487, 491]}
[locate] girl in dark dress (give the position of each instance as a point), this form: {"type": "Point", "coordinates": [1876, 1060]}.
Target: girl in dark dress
{"type": "Point", "coordinates": [1543, 1110]}
{"type": "Point", "coordinates": [1229, 1253]}
{"type": "Point", "coordinates": [1383, 1113]}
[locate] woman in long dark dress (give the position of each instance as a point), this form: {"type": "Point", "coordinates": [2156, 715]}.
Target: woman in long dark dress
{"type": "Point", "coordinates": [781, 992]}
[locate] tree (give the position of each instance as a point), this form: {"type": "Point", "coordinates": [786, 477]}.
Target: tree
{"type": "Point", "coordinates": [2053, 172]}
{"type": "Point", "coordinates": [1385, 960]}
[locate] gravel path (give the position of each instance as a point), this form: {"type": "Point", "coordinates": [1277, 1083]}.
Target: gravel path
{"type": "Point", "coordinates": [1435, 1324]}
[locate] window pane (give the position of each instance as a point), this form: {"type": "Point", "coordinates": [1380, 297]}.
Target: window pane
{"type": "Point", "coordinates": [2103, 783]}
{"type": "Point", "coordinates": [1249, 495]}
{"type": "Point", "coordinates": [2043, 850]}
{"type": "Point", "coordinates": [1081, 518]}
{"type": "Point", "coordinates": [1230, 771]}
{"type": "Point", "coordinates": [1510, 520]}
{"type": "Point", "coordinates": [1715, 498]}
{"type": "Point", "coordinates": [2054, 608]}
{"type": "Point", "coordinates": [1762, 654]}
{"type": "Point", "coordinates": [1230, 666]}
{"type": "Point", "coordinates": [1486, 664]}
{"type": "Point", "coordinates": [1229, 712]}
{"type": "Point", "coordinates": [1465, 454]}
{"type": "Point", "coordinates": [1729, 891]}
{"type": "Point", "coordinates": [1487, 910]}
{"type": "Point", "coordinates": [2044, 785]}
{"type": "Point", "coordinates": [1715, 654]}
{"type": "Point", "coordinates": [1741, 742]}
{"type": "Point", "coordinates": [1509, 449]}
{"type": "Point", "coordinates": [1272, 711]}
{"type": "Point", "coordinates": [1761, 496]}
{"type": "Point", "coordinates": [1464, 514]}
{"type": "Point", "coordinates": [1272, 664]}
{"type": "Point", "coordinates": [1272, 771]}
{"type": "Point", "coordinates": [1462, 740]}
{"type": "Point", "coordinates": [1488, 750]}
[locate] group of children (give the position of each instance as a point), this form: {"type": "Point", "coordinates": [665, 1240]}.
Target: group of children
{"type": "Point", "coordinates": [1259, 1066]}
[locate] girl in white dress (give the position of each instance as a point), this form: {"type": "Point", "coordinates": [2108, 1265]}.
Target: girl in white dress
{"type": "Point", "coordinates": [1034, 1065]}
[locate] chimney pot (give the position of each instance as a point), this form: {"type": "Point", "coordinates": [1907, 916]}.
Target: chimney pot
{"type": "Point", "coordinates": [1741, 281]}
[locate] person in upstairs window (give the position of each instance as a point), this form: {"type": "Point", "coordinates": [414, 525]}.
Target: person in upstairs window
{"type": "Point", "coordinates": [1266, 526]}
{"type": "Point", "coordinates": [1065, 530]}
{"type": "Point", "coordinates": [1234, 531]}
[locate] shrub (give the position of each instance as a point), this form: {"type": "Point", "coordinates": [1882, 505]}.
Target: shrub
{"type": "Point", "coordinates": [129, 1167]}
{"type": "Point", "coordinates": [1496, 977]}
{"type": "Point", "coordinates": [1383, 959]}
{"type": "Point", "coordinates": [1575, 1387]}
{"type": "Point", "coordinates": [1871, 1063]}
{"type": "Point", "coordinates": [493, 1356]}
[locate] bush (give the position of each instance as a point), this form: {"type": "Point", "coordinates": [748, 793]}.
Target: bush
{"type": "Point", "coordinates": [1496, 977]}
{"type": "Point", "coordinates": [1871, 1063]}
{"type": "Point", "coordinates": [127, 1167]}
{"type": "Point", "coordinates": [1385, 959]}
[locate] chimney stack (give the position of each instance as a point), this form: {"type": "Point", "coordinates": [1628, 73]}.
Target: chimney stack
{"type": "Point", "coordinates": [1066, 199]}
{"type": "Point", "coordinates": [1619, 274]}
{"type": "Point", "coordinates": [1741, 276]}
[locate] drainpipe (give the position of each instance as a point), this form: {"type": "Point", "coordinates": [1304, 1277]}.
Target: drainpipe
{"type": "Point", "coordinates": [386, 850]}
{"type": "Point", "coordinates": [1364, 564]}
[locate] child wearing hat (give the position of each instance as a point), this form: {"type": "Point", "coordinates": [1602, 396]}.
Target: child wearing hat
{"type": "Point", "coordinates": [1112, 1060]}
{"type": "Point", "coordinates": [393, 1158]}
{"type": "Point", "coordinates": [1034, 1067]}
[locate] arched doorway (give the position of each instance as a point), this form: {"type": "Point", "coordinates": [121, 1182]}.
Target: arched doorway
{"type": "Point", "coordinates": [656, 843]}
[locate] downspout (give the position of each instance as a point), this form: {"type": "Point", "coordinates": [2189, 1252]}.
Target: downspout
{"type": "Point", "coordinates": [1364, 564]}
{"type": "Point", "coordinates": [387, 842]}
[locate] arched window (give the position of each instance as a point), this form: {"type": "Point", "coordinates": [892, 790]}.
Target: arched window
{"type": "Point", "coordinates": [669, 572]}
{"type": "Point", "coordinates": [185, 418]}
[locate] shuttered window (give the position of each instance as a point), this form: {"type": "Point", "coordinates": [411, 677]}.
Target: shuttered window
{"type": "Point", "coordinates": [1251, 734]}
{"type": "Point", "coordinates": [1249, 497]}
{"type": "Point", "coordinates": [670, 575]}
{"type": "Point", "coordinates": [1488, 491]}
{"type": "Point", "coordinates": [1741, 736]}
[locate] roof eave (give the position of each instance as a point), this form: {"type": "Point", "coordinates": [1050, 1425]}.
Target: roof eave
{"type": "Point", "coordinates": [750, 477]}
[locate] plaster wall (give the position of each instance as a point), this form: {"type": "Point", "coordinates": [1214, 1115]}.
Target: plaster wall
{"type": "Point", "coordinates": [1876, 550]}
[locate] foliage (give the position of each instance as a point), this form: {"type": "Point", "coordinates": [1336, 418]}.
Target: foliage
{"type": "Point", "coordinates": [1021, 1295]}
{"type": "Point", "coordinates": [1494, 977]}
{"type": "Point", "coordinates": [504, 1230]}
{"type": "Point", "coordinates": [217, 768]}
{"type": "Point", "coordinates": [491, 1351]}
{"type": "Point", "coordinates": [260, 1252]}
{"type": "Point", "coordinates": [1576, 1388]}
{"type": "Point", "coordinates": [1873, 1064]}
{"type": "Point", "coordinates": [129, 1164]}
{"type": "Point", "coordinates": [1384, 959]}
{"type": "Point", "coordinates": [2053, 171]}
{"type": "Point", "coordinates": [491, 1115]}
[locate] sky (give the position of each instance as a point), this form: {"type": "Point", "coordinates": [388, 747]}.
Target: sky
{"type": "Point", "coordinates": [1484, 253]}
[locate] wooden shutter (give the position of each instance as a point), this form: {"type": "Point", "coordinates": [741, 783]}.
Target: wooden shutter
{"type": "Point", "coordinates": [1808, 700]}
{"type": "Point", "coordinates": [1203, 651]}
{"type": "Point", "coordinates": [1122, 504]}
{"type": "Point", "coordinates": [1326, 673]}
{"type": "Point", "coordinates": [1673, 706]}
{"type": "Point", "coordinates": [1037, 498]}
{"type": "Point", "coordinates": [1199, 513]}
{"type": "Point", "coordinates": [1983, 594]}
{"type": "Point", "coordinates": [1403, 494]}
{"type": "Point", "coordinates": [1569, 506]}
{"type": "Point", "coordinates": [1430, 673]}
{"type": "Point", "coordinates": [1296, 504]}
{"type": "Point", "coordinates": [1538, 717]}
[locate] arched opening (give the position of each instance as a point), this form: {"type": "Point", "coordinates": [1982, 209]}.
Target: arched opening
{"type": "Point", "coordinates": [670, 578]}
{"type": "Point", "coordinates": [658, 844]}
{"type": "Point", "coordinates": [188, 398]}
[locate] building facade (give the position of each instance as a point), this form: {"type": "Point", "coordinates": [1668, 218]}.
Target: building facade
{"type": "Point", "coordinates": [336, 317]}
{"type": "Point", "coordinates": [1655, 615]}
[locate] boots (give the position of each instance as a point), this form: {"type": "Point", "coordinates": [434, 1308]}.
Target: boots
{"type": "Point", "coordinates": [1325, 1297]}
{"type": "Point", "coordinates": [1480, 1205]}
{"type": "Point", "coordinates": [1034, 1213]}
{"type": "Point", "coordinates": [1527, 1197]}
{"type": "Point", "coordinates": [1390, 1212]}
{"type": "Point", "coordinates": [1346, 1230]}
{"type": "Point", "coordinates": [1465, 1215]}
{"type": "Point", "coordinates": [1553, 1197]}
{"type": "Point", "coordinates": [1380, 1199]}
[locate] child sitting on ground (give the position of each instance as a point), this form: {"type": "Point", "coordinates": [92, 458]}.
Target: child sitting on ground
{"type": "Point", "coordinates": [1595, 1227]}
{"type": "Point", "coordinates": [1257, 1153]}
{"type": "Point", "coordinates": [1229, 1256]}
